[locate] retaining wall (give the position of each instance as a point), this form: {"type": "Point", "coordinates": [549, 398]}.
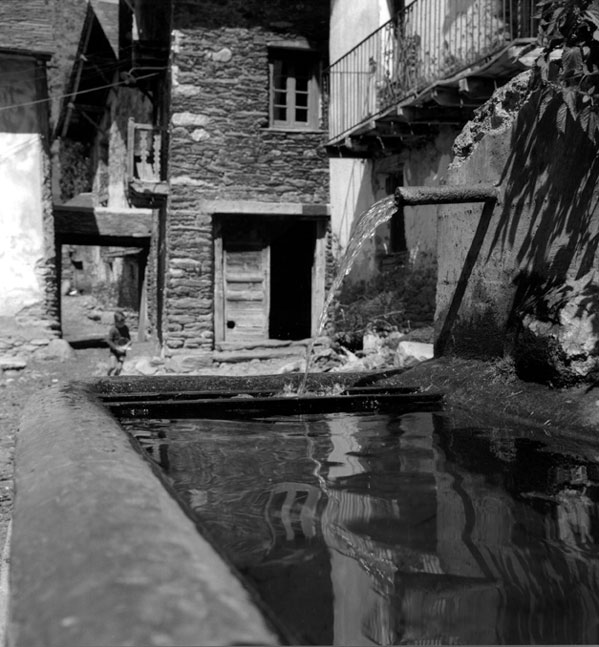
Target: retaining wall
{"type": "Point", "coordinates": [530, 285]}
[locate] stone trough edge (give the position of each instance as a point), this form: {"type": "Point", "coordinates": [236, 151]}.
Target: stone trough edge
{"type": "Point", "coordinates": [101, 554]}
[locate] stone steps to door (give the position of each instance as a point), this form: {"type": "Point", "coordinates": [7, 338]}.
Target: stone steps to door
{"type": "Point", "coordinates": [246, 351]}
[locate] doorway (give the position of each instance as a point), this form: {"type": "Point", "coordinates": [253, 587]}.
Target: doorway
{"type": "Point", "coordinates": [267, 281]}
{"type": "Point", "coordinates": [291, 259]}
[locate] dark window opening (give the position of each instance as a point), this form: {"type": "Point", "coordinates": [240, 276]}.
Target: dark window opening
{"type": "Point", "coordinates": [397, 225]}
{"type": "Point", "coordinates": [294, 92]}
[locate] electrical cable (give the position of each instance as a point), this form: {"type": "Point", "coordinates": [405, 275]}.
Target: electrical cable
{"type": "Point", "coordinates": [75, 94]}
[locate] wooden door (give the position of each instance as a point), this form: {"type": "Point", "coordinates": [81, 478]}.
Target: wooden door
{"type": "Point", "coordinates": [245, 280]}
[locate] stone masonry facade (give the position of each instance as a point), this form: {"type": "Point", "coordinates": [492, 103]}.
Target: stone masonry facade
{"type": "Point", "coordinates": [221, 146]}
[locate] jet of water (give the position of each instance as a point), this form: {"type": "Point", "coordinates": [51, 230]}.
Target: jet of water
{"type": "Point", "coordinates": [363, 229]}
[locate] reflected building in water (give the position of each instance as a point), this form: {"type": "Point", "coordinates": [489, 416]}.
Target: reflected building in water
{"type": "Point", "coordinates": [374, 530]}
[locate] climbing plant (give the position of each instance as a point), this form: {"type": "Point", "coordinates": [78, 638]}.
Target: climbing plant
{"type": "Point", "coordinates": [568, 69]}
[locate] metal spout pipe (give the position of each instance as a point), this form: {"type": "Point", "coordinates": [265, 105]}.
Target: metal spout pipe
{"type": "Point", "coordinates": [459, 193]}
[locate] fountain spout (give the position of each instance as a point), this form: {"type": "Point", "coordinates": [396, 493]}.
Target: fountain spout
{"type": "Point", "coordinates": [456, 194]}
{"type": "Point", "coordinates": [382, 211]}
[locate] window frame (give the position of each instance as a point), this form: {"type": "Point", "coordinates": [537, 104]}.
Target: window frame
{"type": "Point", "coordinates": [294, 59]}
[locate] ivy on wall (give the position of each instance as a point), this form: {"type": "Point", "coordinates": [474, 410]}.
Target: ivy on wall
{"type": "Point", "coordinates": [568, 69]}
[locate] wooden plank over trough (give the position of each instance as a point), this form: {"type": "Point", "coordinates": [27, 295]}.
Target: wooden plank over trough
{"type": "Point", "coordinates": [245, 407]}
{"type": "Point", "coordinates": [96, 226]}
{"type": "Point", "coordinates": [256, 393]}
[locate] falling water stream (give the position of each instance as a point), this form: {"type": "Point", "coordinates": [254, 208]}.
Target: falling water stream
{"type": "Point", "coordinates": [365, 226]}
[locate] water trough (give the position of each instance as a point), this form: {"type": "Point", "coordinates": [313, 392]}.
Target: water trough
{"type": "Point", "coordinates": [102, 553]}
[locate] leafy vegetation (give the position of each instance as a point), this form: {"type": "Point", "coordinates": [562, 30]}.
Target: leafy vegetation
{"type": "Point", "coordinates": [568, 70]}
{"type": "Point", "coordinates": [398, 299]}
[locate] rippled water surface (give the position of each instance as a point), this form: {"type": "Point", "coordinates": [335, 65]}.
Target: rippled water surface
{"type": "Point", "coordinates": [370, 529]}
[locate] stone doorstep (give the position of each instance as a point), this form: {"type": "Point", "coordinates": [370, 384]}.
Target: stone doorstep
{"type": "Point", "coordinates": [247, 355]}
{"type": "Point", "coordinates": [261, 343]}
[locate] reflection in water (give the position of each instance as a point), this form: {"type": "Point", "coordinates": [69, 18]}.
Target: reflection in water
{"type": "Point", "coordinates": [370, 529]}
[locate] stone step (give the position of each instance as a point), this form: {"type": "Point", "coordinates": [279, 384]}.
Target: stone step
{"type": "Point", "coordinates": [247, 355]}
{"type": "Point", "coordinates": [259, 343]}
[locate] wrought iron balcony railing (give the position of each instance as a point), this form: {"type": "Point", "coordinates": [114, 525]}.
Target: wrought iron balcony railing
{"type": "Point", "coordinates": [428, 41]}
{"type": "Point", "coordinates": [146, 160]}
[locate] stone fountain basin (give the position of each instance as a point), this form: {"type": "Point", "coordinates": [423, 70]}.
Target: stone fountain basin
{"type": "Point", "coordinates": [101, 551]}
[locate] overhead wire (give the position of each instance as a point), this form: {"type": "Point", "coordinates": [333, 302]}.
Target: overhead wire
{"type": "Point", "coordinates": [74, 94]}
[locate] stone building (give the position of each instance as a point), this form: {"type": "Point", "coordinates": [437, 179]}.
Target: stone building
{"type": "Point", "coordinates": [247, 212]}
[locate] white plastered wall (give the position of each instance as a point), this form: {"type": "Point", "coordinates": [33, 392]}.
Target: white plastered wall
{"type": "Point", "coordinates": [21, 180]}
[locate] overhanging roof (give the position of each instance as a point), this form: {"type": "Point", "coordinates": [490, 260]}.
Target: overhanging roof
{"type": "Point", "coordinates": [26, 25]}
{"type": "Point", "coordinates": [29, 53]}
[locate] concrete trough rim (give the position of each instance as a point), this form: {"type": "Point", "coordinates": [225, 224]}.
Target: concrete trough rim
{"type": "Point", "coordinates": [101, 553]}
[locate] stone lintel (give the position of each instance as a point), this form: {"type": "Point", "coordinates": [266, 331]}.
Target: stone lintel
{"type": "Point", "coordinates": [255, 207]}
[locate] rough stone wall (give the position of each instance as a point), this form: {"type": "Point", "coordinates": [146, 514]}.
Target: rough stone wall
{"type": "Point", "coordinates": [221, 147]}
{"type": "Point", "coordinates": [532, 288]}
{"type": "Point", "coordinates": [152, 275]}
{"type": "Point", "coordinates": [48, 269]}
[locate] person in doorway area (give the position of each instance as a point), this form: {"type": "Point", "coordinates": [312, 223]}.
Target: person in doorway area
{"type": "Point", "coordinates": [119, 342]}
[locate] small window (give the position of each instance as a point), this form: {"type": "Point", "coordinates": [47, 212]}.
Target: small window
{"type": "Point", "coordinates": [294, 93]}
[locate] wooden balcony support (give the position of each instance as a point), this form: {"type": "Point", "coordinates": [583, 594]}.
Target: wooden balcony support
{"type": "Point", "coordinates": [102, 226]}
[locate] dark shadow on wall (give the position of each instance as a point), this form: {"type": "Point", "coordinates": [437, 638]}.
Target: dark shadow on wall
{"type": "Point", "coordinates": [551, 176]}
{"type": "Point", "coordinates": [549, 205]}
{"type": "Point", "coordinates": [446, 336]}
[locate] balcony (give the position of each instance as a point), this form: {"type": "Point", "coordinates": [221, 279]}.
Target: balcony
{"type": "Point", "coordinates": [435, 57]}
{"type": "Point", "coordinates": [146, 167]}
